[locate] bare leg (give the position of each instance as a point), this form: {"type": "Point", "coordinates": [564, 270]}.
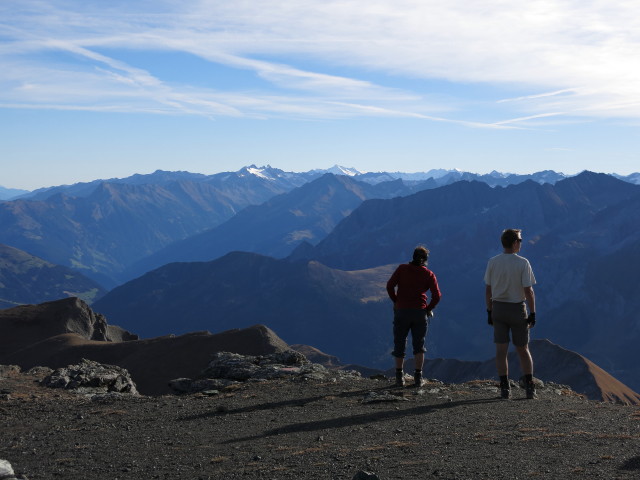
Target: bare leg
{"type": "Point", "coordinates": [502, 349]}
{"type": "Point", "coordinates": [419, 360]}
{"type": "Point", "coordinates": [526, 362]}
{"type": "Point", "coordinates": [399, 363]}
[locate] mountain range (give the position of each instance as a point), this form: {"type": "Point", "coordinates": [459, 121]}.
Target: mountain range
{"type": "Point", "coordinates": [580, 234]}
{"type": "Point", "coordinates": [318, 248]}
{"type": "Point", "coordinates": [103, 227]}
{"type": "Point", "coordinates": [113, 230]}
{"type": "Point", "coordinates": [279, 225]}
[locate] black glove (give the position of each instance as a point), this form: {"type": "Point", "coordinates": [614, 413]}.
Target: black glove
{"type": "Point", "coordinates": [489, 319]}
{"type": "Point", "coordinates": [531, 320]}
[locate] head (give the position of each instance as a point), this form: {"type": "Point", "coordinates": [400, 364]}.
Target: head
{"type": "Point", "coordinates": [511, 238]}
{"type": "Point", "coordinates": [420, 255]}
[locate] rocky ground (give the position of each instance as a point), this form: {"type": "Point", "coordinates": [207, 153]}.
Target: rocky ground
{"type": "Point", "coordinates": [301, 428]}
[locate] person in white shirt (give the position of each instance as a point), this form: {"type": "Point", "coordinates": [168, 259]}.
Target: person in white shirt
{"type": "Point", "coordinates": [509, 284]}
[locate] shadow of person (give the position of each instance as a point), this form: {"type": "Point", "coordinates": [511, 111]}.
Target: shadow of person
{"type": "Point", "coordinates": [632, 464]}
{"type": "Point", "coordinates": [360, 419]}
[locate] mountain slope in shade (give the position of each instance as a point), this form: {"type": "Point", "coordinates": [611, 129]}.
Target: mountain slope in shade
{"type": "Point", "coordinates": [31, 324]}
{"type": "Point", "coordinates": [276, 227]}
{"type": "Point", "coordinates": [56, 334]}
{"type": "Point", "coordinates": [465, 216]}
{"type": "Point", "coordinates": [347, 313]}
{"type": "Point", "coordinates": [28, 279]}
{"type": "Point", "coordinates": [117, 224]}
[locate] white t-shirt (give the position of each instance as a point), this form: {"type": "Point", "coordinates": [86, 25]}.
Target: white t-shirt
{"type": "Point", "coordinates": [508, 274]}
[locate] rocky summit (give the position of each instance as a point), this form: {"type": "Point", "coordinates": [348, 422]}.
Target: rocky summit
{"type": "Point", "coordinates": [309, 423]}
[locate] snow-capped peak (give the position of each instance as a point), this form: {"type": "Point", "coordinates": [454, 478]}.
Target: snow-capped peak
{"type": "Point", "coordinates": [339, 170]}
{"type": "Point", "coordinates": [266, 172]}
{"type": "Point", "coordinates": [258, 172]}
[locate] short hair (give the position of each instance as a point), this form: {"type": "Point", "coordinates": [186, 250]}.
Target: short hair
{"type": "Point", "coordinates": [420, 254]}
{"type": "Point", "coordinates": [509, 236]}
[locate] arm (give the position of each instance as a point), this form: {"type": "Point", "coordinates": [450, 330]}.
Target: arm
{"type": "Point", "coordinates": [487, 299]}
{"type": "Point", "coordinates": [391, 286]}
{"type": "Point", "coordinates": [530, 298]}
{"type": "Point", "coordinates": [487, 296]}
{"type": "Point", "coordinates": [435, 294]}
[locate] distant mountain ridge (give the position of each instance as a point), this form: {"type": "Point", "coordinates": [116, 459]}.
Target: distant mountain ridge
{"type": "Point", "coordinates": [28, 279]}
{"type": "Point", "coordinates": [277, 226]}
{"type": "Point", "coordinates": [103, 228]}
{"type": "Point", "coordinates": [9, 193]}
{"type": "Point", "coordinates": [280, 180]}
{"type": "Point", "coordinates": [117, 224]}
{"type": "Point", "coordinates": [296, 179]}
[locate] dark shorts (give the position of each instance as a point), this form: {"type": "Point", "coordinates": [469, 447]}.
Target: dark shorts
{"type": "Point", "coordinates": [510, 317]}
{"type": "Point", "coordinates": [407, 320]}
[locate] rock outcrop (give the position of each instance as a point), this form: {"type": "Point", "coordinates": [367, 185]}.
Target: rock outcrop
{"type": "Point", "coordinates": [6, 471]}
{"type": "Point", "coordinates": [91, 377]}
{"type": "Point", "coordinates": [227, 368]}
{"type": "Point", "coordinates": [29, 324]}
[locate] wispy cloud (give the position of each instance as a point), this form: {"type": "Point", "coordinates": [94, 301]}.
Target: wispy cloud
{"type": "Point", "coordinates": [562, 58]}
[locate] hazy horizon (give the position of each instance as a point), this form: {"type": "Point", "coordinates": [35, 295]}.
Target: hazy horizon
{"type": "Point", "coordinates": [297, 171]}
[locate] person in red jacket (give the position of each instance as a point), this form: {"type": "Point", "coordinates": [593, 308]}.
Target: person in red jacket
{"type": "Point", "coordinates": [407, 289]}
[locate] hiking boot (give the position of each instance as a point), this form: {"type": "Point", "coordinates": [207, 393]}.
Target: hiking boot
{"type": "Point", "coordinates": [505, 391]}
{"type": "Point", "coordinates": [417, 380]}
{"type": "Point", "coordinates": [399, 379]}
{"type": "Point", "coordinates": [531, 391]}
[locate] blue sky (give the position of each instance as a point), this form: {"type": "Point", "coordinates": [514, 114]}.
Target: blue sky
{"type": "Point", "coordinates": [99, 89]}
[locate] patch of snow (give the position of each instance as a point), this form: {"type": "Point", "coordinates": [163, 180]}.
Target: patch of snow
{"type": "Point", "coordinates": [339, 170]}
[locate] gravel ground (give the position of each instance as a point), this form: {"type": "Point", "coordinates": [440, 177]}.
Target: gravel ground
{"type": "Point", "coordinates": [285, 429]}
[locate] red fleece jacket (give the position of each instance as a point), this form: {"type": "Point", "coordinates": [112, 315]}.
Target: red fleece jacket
{"type": "Point", "coordinates": [413, 282]}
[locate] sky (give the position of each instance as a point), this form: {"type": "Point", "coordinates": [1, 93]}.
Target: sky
{"type": "Point", "coordinates": [95, 89]}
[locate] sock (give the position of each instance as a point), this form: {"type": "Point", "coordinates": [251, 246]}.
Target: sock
{"type": "Point", "coordinates": [504, 380]}
{"type": "Point", "coordinates": [398, 370]}
{"type": "Point", "coordinates": [528, 378]}
{"type": "Point", "coordinates": [418, 371]}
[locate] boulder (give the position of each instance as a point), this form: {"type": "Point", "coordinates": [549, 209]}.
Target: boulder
{"type": "Point", "coordinates": [232, 366]}
{"type": "Point", "coordinates": [91, 377]}
{"type": "Point", "coordinates": [6, 471]}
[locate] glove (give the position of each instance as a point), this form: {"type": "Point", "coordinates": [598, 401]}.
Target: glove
{"type": "Point", "coordinates": [489, 319]}
{"type": "Point", "coordinates": [430, 314]}
{"type": "Point", "coordinates": [531, 320]}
